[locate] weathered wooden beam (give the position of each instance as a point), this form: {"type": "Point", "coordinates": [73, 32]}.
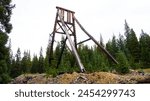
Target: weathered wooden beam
{"type": "Point", "coordinates": [61, 27]}
{"type": "Point", "coordinates": [101, 47]}
{"type": "Point", "coordinates": [74, 30]}
{"type": "Point", "coordinates": [63, 33]}
{"type": "Point", "coordinates": [53, 37]}
{"type": "Point", "coordinates": [69, 28]}
{"type": "Point", "coordinates": [68, 17]}
{"type": "Point", "coordinates": [57, 29]}
{"type": "Point", "coordinates": [62, 13]}
{"type": "Point", "coordinates": [82, 69]}
{"type": "Point", "coordinates": [83, 41]}
{"type": "Point", "coordinates": [66, 22]}
{"type": "Point", "coordinates": [61, 53]}
{"type": "Point", "coordinates": [60, 32]}
{"type": "Point", "coordinates": [65, 9]}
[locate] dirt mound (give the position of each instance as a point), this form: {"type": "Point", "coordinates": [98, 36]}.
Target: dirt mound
{"type": "Point", "coordinates": [78, 78]}
{"type": "Point", "coordinates": [82, 78]}
{"type": "Point", "coordinates": [31, 79]}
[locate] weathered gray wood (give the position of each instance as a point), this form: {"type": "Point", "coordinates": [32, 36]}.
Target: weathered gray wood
{"type": "Point", "coordinates": [60, 32]}
{"type": "Point", "coordinates": [71, 44]}
{"type": "Point", "coordinates": [61, 27]}
{"type": "Point", "coordinates": [69, 28]}
{"type": "Point", "coordinates": [66, 22]}
{"type": "Point", "coordinates": [65, 9]}
{"type": "Point", "coordinates": [53, 37]}
{"type": "Point", "coordinates": [74, 30]}
{"type": "Point", "coordinates": [101, 47]}
{"type": "Point", "coordinates": [84, 41]}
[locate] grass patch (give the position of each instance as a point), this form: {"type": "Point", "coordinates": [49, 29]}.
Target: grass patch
{"type": "Point", "coordinates": [146, 70]}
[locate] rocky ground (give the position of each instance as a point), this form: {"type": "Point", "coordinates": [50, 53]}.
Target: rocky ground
{"type": "Point", "coordinates": [133, 77]}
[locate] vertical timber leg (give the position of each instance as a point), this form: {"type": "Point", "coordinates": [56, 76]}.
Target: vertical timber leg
{"type": "Point", "coordinates": [53, 37]}
{"type": "Point", "coordinates": [72, 45]}
{"type": "Point", "coordinates": [61, 53]}
{"type": "Point", "coordinates": [75, 37]}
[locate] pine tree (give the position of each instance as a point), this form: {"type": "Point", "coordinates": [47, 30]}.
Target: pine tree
{"type": "Point", "coordinates": [46, 64]}
{"type": "Point", "coordinates": [16, 65]}
{"type": "Point", "coordinates": [26, 62]}
{"type": "Point", "coordinates": [112, 46]}
{"type": "Point", "coordinates": [65, 62]}
{"type": "Point", "coordinates": [83, 54]}
{"type": "Point", "coordinates": [48, 50]}
{"type": "Point", "coordinates": [109, 46]}
{"type": "Point", "coordinates": [35, 64]}
{"type": "Point", "coordinates": [9, 57]}
{"type": "Point", "coordinates": [145, 50]}
{"type": "Point", "coordinates": [101, 40]}
{"type": "Point", "coordinates": [5, 28]}
{"type": "Point", "coordinates": [127, 34]}
{"type": "Point", "coordinates": [121, 44]}
{"type": "Point", "coordinates": [29, 63]}
{"type": "Point", "coordinates": [132, 47]}
{"type": "Point", "coordinates": [41, 68]}
{"type": "Point", "coordinates": [99, 61]}
{"type": "Point", "coordinates": [56, 55]}
{"type": "Point", "coordinates": [127, 30]}
{"type": "Point", "coordinates": [123, 66]}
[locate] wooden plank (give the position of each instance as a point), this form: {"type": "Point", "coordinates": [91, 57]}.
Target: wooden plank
{"type": "Point", "coordinates": [62, 13]}
{"type": "Point", "coordinates": [53, 37]}
{"type": "Point", "coordinates": [69, 28]}
{"type": "Point", "coordinates": [69, 17]}
{"type": "Point", "coordinates": [74, 30]}
{"type": "Point", "coordinates": [72, 45]}
{"type": "Point", "coordinates": [60, 32]}
{"type": "Point", "coordinates": [65, 9]}
{"type": "Point", "coordinates": [65, 22]}
{"type": "Point", "coordinates": [61, 27]}
{"type": "Point", "coordinates": [84, 41]}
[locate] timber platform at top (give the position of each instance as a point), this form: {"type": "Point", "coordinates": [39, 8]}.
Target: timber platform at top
{"type": "Point", "coordinates": [64, 9]}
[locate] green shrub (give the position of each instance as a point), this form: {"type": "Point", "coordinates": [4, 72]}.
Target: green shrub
{"type": "Point", "coordinates": [52, 71]}
{"type": "Point", "coordinates": [4, 78]}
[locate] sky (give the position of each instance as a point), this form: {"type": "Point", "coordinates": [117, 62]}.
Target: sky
{"type": "Point", "coordinates": [33, 20]}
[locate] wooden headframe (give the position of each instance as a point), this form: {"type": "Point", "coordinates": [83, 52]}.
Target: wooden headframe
{"type": "Point", "coordinates": [65, 24]}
